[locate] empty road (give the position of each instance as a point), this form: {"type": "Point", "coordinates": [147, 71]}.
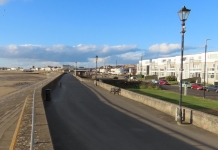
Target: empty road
{"type": "Point", "coordinates": [83, 116]}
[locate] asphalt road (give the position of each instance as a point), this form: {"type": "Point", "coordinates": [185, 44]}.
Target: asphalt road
{"type": "Point", "coordinates": [199, 93]}
{"type": "Point", "coordinates": [83, 116]}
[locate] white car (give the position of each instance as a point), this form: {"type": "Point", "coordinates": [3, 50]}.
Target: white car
{"type": "Point", "coordinates": [155, 81]}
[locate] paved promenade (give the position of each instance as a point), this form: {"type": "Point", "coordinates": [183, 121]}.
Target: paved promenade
{"type": "Point", "coordinates": [83, 116]}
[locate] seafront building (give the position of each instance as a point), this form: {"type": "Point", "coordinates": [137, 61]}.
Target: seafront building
{"type": "Point", "coordinates": [193, 66]}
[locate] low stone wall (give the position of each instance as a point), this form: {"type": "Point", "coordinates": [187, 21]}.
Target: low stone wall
{"type": "Point", "coordinates": [51, 85]}
{"type": "Point", "coordinates": [83, 79]}
{"type": "Point", "coordinates": [197, 118]}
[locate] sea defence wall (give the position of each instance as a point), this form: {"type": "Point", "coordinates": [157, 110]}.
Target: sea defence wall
{"type": "Point", "coordinates": [42, 138]}
{"type": "Point", "coordinates": [197, 118]}
{"type": "Point", "coordinates": [51, 85]}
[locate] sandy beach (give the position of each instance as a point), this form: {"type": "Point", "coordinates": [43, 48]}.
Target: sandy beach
{"type": "Point", "coordinates": [12, 81]}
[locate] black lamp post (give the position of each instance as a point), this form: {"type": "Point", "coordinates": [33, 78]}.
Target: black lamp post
{"type": "Point", "coordinates": [141, 67]}
{"type": "Point", "coordinates": [96, 70]}
{"type": "Point", "coordinates": [205, 64]}
{"type": "Point", "coordinates": [183, 15]}
{"type": "Point", "coordinates": [76, 66]}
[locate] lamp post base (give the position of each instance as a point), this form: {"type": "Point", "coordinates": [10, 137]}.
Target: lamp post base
{"type": "Point", "coordinates": [178, 116]}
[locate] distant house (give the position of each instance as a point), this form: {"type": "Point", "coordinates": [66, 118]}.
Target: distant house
{"type": "Point", "coordinates": [48, 69]}
{"type": "Point", "coordinates": [37, 69]}
{"type": "Point", "coordinates": [42, 69]}
{"type": "Point", "coordinates": [14, 69]}
{"type": "Point", "coordinates": [103, 70]}
{"type": "Point", "coordinates": [117, 71]}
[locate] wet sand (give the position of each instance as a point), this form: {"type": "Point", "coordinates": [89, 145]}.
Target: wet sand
{"type": "Point", "coordinates": [11, 81]}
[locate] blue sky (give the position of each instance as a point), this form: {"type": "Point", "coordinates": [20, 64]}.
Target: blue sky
{"type": "Point", "coordinates": [52, 32]}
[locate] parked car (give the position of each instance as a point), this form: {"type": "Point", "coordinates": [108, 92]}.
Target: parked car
{"type": "Point", "coordinates": [126, 77]}
{"type": "Point", "coordinates": [155, 81]}
{"type": "Point", "coordinates": [186, 84]}
{"type": "Point", "coordinates": [197, 86]}
{"type": "Point", "coordinates": [164, 82]}
{"type": "Point", "coordinates": [212, 88]}
{"type": "Point", "coordinates": [133, 77]}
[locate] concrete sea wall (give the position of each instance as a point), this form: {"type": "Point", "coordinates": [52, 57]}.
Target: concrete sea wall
{"type": "Point", "coordinates": [197, 118]}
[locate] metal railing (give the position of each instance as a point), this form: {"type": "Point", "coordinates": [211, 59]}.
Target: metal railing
{"type": "Point", "coordinates": [32, 142]}
{"type": "Point", "coordinates": [33, 121]}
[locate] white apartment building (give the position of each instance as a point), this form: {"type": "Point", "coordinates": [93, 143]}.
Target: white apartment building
{"type": "Point", "coordinates": [193, 66]}
{"type": "Point", "coordinates": [103, 70]}
{"type": "Point", "coordinates": [117, 71]}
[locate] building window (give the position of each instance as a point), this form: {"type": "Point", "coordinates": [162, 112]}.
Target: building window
{"type": "Point", "coordinates": [213, 56]}
{"type": "Point", "coordinates": [161, 74]}
{"type": "Point", "coordinates": [192, 75]}
{"type": "Point", "coordinates": [210, 69]}
{"type": "Point", "coordinates": [210, 75]}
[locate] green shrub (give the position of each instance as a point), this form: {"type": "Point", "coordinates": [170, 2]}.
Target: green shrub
{"type": "Point", "coordinates": [149, 85]}
{"type": "Point", "coordinates": [171, 78]}
{"type": "Point", "coordinates": [192, 81]}
{"type": "Point", "coordinates": [143, 86]}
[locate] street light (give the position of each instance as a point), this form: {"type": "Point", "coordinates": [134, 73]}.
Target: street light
{"type": "Point", "coordinates": [96, 70]}
{"type": "Point", "coordinates": [141, 67]}
{"type": "Point", "coordinates": [183, 15]}
{"type": "Point", "coordinates": [76, 66]}
{"type": "Point", "coordinates": [205, 64]}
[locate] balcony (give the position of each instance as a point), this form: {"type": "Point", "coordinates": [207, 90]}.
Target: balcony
{"type": "Point", "coordinates": [171, 69]}
{"type": "Point", "coordinates": [154, 69]}
{"type": "Point", "coordinates": [195, 69]}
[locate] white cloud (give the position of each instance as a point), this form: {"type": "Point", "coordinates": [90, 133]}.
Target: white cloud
{"type": "Point", "coordinates": [106, 49]}
{"type": "Point", "coordinates": [84, 55]}
{"type": "Point", "coordinates": [2, 2]}
{"type": "Point", "coordinates": [164, 47]}
{"type": "Point", "coordinates": [124, 47]}
{"type": "Point", "coordinates": [56, 48]}
{"type": "Point", "coordinates": [85, 48]}
{"type": "Point", "coordinates": [131, 56]}
{"type": "Point", "coordinates": [100, 59]}
{"type": "Point", "coordinates": [63, 53]}
{"type": "Point", "coordinates": [12, 49]}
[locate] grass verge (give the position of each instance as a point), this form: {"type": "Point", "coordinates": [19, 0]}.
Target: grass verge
{"type": "Point", "coordinates": [197, 103]}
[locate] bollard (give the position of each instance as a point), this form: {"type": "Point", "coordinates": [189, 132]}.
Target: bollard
{"type": "Point", "coordinates": [183, 116]}
{"type": "Point", "coordinates": [191, 119]}
{"type": "Point", "coordinates": [48, 94]}
{"type": "Point", "coordinates": [177, 115]}
{"type": "Point", "coordinates": [185, 90]}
